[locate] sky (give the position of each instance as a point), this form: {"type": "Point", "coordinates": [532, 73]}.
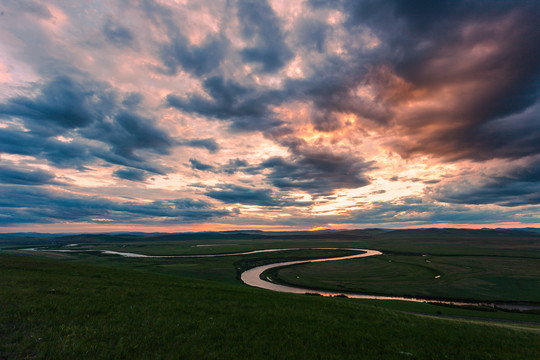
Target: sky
{"type": "Point", "coordinates": [155, 115]}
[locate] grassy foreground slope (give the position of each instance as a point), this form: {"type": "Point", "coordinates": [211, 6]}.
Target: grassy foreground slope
{"type": "Point", "coordinates": [98, 312]}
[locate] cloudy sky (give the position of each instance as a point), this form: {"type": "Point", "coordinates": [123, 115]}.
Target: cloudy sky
{"type": "Point", "coordinates": [162, 115]}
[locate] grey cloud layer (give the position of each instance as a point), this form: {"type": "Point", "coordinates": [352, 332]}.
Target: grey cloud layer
{"type": "Point", "coordinates": [450, 80]}
{"type": "Point", "coordinates": [518, 185]}
{"type": "Point", "coordinates": [90, 113]}
{"type": "Point", "coordinates": [488, 57]}
{"type": "Point", "coordinates": [235, 194]}
{"type": "Point", "coordinates": [37, 205]}
{"type": "Point", "coordinates": [23, 176]}
{"type": "Point", "coordinates": [261, 26]}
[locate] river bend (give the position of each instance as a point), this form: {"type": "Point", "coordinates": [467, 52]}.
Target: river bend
{"type": "Point", "coordinates": [253, 277]}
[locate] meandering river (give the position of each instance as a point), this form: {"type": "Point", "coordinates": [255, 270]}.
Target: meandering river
{"type": "Point", "coordinates": [254, 277]}
{"type": "Point", "coordinates": [133, 255]}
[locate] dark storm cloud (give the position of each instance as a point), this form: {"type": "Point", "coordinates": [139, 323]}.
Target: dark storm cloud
{"type": "Point", "coordinates": [235, 165]}
{"type": "Point", "coordinates": [494, 191]}
{"type": "Point", "coordinates": [197, 165]}
{"type": "Point", "coordinates": [130, 132]}
{"type": "Point", "coordinates": [317, 172]}
{"type": "Point", "coordinates": [249, 107]}
{"type": "Point", "coordinates": [117, 34]}
{"type": "Point", "coordinates": [24, 176]}
{"type": "Point", "coordinates": [225, 101]}
{"type": "Point", "coordinates": [209, 144]}
{"type": "Point", "coordinates": [62, 104]}
{"type": "Point", "coordinates": [234, 194]}
{"type": "Point", "coordinates": [506, 78]}
{"type": "Point", "coordinates": [30, 204]}
{"type": "Point", "coordinates": [512, 136]}
{"type": "Point", "coordinates": [333, 91]}
{"type": "Point", "coordinates": [177, 51]}
{"type": "Point", "coordinates": [198, 60]}
{"type": "Point", "coordinates": [311, 34]}
{"type": "Point", "coordinates": [232, 167]}
{"type": "Point", "coordinates": [248, 124]}
{"type": "Point", "coordinates": [88, 112]}
{"type": "Point", "coordinates": [245, 107]}
{"type": "Point", "coordinates": [421, 17]}
{"type": "Point", "coordinates": [61, 154]}
{"type": "Point", "coordinates": [326, 122]}
{"type": "Point", "coordinates": [74, 154]}
{"type": "Point", "coordinates": [417, 211]}
{"type": "Point", "coordinates": [486, 57]}
{"type": "Point", "coordinates": [132, 100]}
{"type": "Point", "coordinates": [261, 26]}
{"type": "Point", "coordinates": [137, 162]}
{"type": "Point", "coordinates": [132, 174]}
{"type": "Point", "coordinates": [519, 185]}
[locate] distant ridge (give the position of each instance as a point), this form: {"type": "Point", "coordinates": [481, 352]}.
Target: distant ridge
{"type": "Point", "coordinates": [259, 232]}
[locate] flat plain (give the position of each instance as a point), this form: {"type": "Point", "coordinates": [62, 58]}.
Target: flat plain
{"type": "Point", "coordinates": [85, 304]}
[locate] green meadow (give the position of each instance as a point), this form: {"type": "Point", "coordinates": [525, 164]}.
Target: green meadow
{"type": "Point", "coordinates": [488, 278]}
{"type": "Point", "coordinates": [87, 305]}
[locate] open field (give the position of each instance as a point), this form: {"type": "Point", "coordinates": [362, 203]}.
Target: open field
{"type": "Point", "coordinates": [490, 278]}
{"type": "Point", "coordinates": [476, 265]}
{"type": "Point", "coordinates": [100, 312]}
{"type": "Point", "coordinates": [459, 264]}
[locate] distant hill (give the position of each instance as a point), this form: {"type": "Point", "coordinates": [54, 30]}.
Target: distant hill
{"type": "Point", "coordinates": [427, 233]}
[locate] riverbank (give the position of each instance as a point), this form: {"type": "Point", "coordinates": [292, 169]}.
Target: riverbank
{"type": "Point", "coordinates": [258, 277]}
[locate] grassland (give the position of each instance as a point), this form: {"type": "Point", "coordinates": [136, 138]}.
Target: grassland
{"type": "Point", "coordinates": [60, 310]}
{"type": "Point", "coordinates": [107, 306]}
{"type": "Point", "coordinates": [481, 278]}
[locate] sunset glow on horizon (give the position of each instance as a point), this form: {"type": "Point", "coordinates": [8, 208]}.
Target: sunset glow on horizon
{"type": "Point", "coordinates": [167, 116]}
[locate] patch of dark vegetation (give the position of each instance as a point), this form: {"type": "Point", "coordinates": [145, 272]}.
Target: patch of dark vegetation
{"type": "Point", "coordinates": [478, 307]}
{"type": "Point", "coordinates": [528, 308]}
